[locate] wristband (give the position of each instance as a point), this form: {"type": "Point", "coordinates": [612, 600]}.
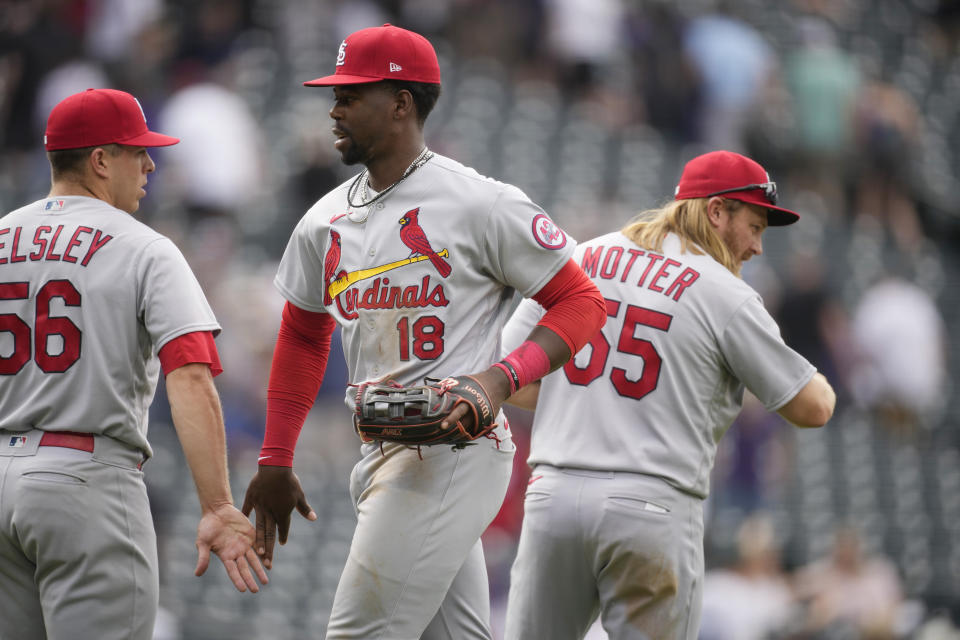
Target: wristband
{"type": "Point", "coordinates": [525, 364]}
{"type": "Point", "coordinates": [512, 376]}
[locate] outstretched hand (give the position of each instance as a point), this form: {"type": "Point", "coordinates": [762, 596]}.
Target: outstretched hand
{"type": "Point", "coordinates": [273, 493]}
{"type": "Point", "coordinates": [229, 534]}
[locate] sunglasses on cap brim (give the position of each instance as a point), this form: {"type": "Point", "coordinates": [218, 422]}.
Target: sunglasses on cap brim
{"type": "Point", "coordinates": [769, 189]}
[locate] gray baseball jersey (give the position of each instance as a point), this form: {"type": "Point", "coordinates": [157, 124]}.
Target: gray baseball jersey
{"type": "Point", "coordinates": [422, 282]}
{"type": "Point", "coordinates": [624, 439]}
{"type": "Point", "coordinates": [683, 338]}
{"type": "Point", "coordinates": [74, 274]}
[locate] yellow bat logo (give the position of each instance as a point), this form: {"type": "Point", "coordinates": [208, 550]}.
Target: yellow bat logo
{"type": "Point", "coordinates": [345, 281]}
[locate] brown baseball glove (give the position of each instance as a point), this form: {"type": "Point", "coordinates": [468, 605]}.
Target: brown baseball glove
{"type": "Point", "coordinates": [412, 415]}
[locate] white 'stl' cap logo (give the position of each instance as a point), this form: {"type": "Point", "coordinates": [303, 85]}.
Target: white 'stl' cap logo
{"type": "Point", "coordinates": [342, 53]}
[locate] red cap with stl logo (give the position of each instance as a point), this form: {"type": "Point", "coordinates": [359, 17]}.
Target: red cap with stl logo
{"type": "Point", "coordinates": [97, 117]}
{"type": "Point", "coordinates": [383, 53]}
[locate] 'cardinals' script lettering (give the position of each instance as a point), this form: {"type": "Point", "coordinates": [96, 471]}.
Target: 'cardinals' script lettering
{"type": "Point", "coordinates": [380, 295]}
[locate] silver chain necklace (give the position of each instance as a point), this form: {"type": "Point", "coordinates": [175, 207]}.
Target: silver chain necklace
{"type": "Point", "coordinates": [362, 182]}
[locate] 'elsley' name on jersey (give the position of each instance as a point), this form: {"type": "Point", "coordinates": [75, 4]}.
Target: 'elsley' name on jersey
{"type": "Point", "coordinates": [617, 262]}
{"type": "Point", "coordinates": [51, 244]}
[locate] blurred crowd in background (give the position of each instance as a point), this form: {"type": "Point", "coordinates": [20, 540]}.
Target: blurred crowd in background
{"type": "Point", "coordinates": [592, 107]}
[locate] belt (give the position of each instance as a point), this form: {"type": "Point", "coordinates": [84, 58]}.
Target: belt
{"type": "Point", "coordinates": [68, 439]}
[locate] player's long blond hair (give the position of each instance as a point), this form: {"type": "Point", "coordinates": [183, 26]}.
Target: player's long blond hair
{"type": "Point", "coordinates": [687, 219]}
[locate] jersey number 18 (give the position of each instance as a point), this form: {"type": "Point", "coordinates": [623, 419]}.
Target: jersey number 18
{"type": "Point", "coordinates": [427, 338]}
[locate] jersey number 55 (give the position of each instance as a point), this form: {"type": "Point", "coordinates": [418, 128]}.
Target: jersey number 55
{"type": "Point", "coordinates": [627, 343]}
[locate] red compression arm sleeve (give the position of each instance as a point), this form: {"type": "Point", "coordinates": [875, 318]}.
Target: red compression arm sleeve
{"type": "Point", "coordinates": [575, 308]}
{"type": "Point", "coordinates": [299, 362]}
{"type": "Point", "coordinates": [196, 346]}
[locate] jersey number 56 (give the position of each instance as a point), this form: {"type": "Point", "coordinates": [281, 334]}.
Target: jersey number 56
{"type": "Point", "coordinates": [44, 327]}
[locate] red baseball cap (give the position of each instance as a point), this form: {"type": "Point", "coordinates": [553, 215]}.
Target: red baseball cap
{"type": "Point", "coordinates": [383, 53]}
{"type": "Point", "coordinates": [733, 176]}
{"type": "Point", "coordinates": [100, 116]}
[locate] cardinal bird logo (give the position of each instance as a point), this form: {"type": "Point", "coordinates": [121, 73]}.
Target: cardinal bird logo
{"type": "Point", "coordinates": [412, 235]}
{"type": "Point", "coordinates": [330, 263]}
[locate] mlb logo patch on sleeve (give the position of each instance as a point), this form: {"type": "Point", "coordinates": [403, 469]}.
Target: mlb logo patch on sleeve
{"type": "Point", "coordinates": [17, 441]}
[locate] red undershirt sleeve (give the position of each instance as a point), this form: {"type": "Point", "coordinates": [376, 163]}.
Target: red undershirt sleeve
{"type": "Point", "coordinates": [575, 308]}
{"type": "Point", "coordinates": [299, 362]}
{"type": "Point", "coordinates": [193, 347]}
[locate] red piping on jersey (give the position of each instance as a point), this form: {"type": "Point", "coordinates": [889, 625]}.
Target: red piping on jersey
{"type": "Point", "coordinates": [575, 308]}
{"type": "Point", "coordinates": [299, 362]}
{"type": "Point", "coordinates": [190, 348]}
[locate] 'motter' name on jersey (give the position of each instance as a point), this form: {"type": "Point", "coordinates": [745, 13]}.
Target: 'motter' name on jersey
{"type": "Point", "coordinates": [609, 262]}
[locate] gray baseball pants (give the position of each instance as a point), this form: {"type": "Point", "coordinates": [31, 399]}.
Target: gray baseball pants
{"type": "Point", "coordinates": [78, 552]}
{"type": "Point", "coordinates": [625, 546]}
{"type": "Point", "coordinates": [416, 570]}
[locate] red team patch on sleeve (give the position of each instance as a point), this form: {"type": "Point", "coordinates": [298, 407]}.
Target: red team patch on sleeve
{"type": "Point", "coordinates": [547, 234]}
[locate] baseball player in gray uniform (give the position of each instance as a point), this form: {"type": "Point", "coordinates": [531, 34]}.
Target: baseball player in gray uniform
{"type": "Point", "coordinates": [92, 305]}
{"type": "Point", "coordinates": [417, 259]}
{"type": "Point", "coordinates": [624, 437]}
